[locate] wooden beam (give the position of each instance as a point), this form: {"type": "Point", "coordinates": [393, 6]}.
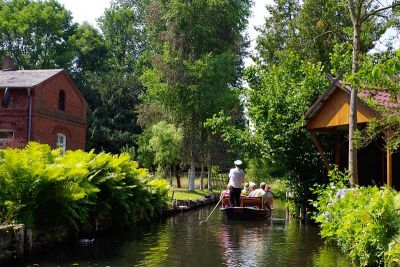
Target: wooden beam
{"type": "Point", "coordinates": [321, 152]}
{"type": "Point", "coordinates": [388, 167]}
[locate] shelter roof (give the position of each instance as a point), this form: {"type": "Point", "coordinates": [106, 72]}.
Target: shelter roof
{"type": "Point", "coordinates": [25, 78]}
{"type": "Point", "coordinates": [380, 97]}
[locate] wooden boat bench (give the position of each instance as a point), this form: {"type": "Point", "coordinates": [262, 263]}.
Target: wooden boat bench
{"type": "Point", "coordinates": [252, 202]}
{"type": "Point", "coordinates": [245, 202]}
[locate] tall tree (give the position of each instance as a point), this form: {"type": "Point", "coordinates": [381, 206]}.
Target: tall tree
{"type": "Point", "coordinates": [123, 30]}
{"type": "Point", "coordinates": [311, 29]}
{"type": "Point", "coordinates": [360, 12]}
{"type": "Point", "coordinates": [109, 66]}
{"type": "Point", "coordinates": [36, 33]}
{"type": "Point", "coordinates": [195, 62]}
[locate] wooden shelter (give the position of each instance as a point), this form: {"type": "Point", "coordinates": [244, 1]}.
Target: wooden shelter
{"type": "Point", "coordinates": [330, 115]}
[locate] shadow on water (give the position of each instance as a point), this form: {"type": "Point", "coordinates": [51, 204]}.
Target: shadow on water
{"type": "Point", "coordinates": [182, 241]}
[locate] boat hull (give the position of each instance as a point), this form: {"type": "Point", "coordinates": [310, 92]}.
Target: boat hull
{"type": "Point", "coordinates": [246, 213]}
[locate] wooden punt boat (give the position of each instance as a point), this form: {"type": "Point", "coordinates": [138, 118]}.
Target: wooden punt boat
{"type": "Point", "coordinates": [251, 208]}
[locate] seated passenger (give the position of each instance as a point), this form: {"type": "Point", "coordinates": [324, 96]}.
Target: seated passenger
{"type": "Point", "coordinates": [269, 198]}
{"type": "Point", "coordinates": [258, 192]}
{"type": "Point", "coordinates": [225, 197]}
{"type": "Point", "coordinates": [252, 187]}
{"type": "Point", "coordinates": [245, 190]}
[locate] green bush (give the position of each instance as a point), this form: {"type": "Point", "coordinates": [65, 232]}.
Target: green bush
{"type": "Point", "coordinates": [392, 255]}
{"type": "Point", "coordinates": [40, 186]}
{"type": "Point", "coordinates": [259, 170]}
{"type": "Point", "coordinates": [278, 188]}
{"type": "Point", "coordinates": [361, 221]}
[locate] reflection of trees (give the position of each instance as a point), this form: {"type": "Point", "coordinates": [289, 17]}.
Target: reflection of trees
{"type": "Point", "coordinates": [149, 248]}
{"type": "Point", "coordinates": [330, 257]}
{"type": "Point", "coordinates": [157, 253]}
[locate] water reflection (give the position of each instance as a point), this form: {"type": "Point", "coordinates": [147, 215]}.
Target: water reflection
{"type": "Point", "coordinates": [182, 241]}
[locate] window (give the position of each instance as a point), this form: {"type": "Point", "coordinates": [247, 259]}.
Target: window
{"type": "Point", "coordinates": [62, 142]}
{"type": "Point", "coordinates": [5, 135]}
{"type": "Point", "coordinates": [61, 100]}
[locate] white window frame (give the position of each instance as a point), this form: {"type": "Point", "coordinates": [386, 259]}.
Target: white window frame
{"type": "Point", "coordinates": [62, 142]}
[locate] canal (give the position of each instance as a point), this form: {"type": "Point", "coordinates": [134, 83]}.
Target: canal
{"type": "Point", "coordinates": [183, 241]}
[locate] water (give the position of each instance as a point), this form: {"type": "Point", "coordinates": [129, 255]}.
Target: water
{"type": "Point", "coordinates": [182, 241]}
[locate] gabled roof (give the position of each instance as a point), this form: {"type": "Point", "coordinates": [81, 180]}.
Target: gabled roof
{"type": "Point", "coordinates": [380, 97]}
{"type": "Point", "coordinates": [25, 78]}
{"type": "Point", "coordinates": [335, 84]}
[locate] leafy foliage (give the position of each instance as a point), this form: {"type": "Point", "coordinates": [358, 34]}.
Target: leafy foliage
{"type": "Point", "coordinates": [36, 33]}
{"type": "Point", "coordinates": [160, 145]}
{"type": "Point", "coordinates": [195, 62]}
{"type": "Point", "coordinates": [40, 187]}
{"type": "Point", "coordinates": [277, 99]}
{"type": "Point", "coordinates": [361, 221]}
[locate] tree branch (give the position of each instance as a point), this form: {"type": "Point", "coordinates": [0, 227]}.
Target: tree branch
{"type": "Point", "coordinates": [373, 13]}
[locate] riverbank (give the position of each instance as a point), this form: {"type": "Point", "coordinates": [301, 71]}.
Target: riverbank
{"type": "Point", "coordinates": [18, 242]}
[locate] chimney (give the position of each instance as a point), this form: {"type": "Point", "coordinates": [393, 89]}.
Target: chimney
{"type": "Point", "coordinates": [8, 63]}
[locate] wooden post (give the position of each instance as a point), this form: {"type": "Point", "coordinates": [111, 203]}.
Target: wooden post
{"type": "Point", "coordinates": [388, 167]}
{"type": "Point", "coordinates": [321, 152]}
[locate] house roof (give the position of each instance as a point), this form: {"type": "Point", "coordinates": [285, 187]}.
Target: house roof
{"type": "Point", "coordinates": [25, 78]}
{"type": "Point", "coordinates": [313, 110]}
{"type": "Point", "coordinates": [380, 97]}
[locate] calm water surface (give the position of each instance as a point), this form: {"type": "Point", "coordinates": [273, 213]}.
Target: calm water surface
{"type": "Point", "coordinates": [182, 241]}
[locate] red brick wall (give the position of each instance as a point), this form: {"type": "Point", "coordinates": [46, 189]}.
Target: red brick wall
{"type": "Point", "coordinates": [46, 97]}
{"type": "Point", "coordinates": [47, 120]}
{"type": "Point", "coordinates": [45, 130]}
{"type": "Point", "coordinates": [15, 116]}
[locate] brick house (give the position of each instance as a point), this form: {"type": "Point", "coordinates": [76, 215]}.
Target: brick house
{"type": "Point", "coordinates": [43, 106]}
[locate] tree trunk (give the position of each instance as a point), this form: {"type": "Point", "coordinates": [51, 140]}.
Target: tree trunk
{"type": "Point", "coordinates": [209, 186]}
{"type": "Point", "coordinates": [170, 176]}
{"type": "Point", "coordinates": [177, 175]}
{"type": "Point", "coordinates": [201, 177]}
{"type": "Point", "coordinates": [192, 175]}
{"type": "Point", "coordinates": [353, 170]}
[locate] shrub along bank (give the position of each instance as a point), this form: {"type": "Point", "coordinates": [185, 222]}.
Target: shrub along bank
{"type": "Point", "coordinates": [364, 222]}
{"type": "Point", "coordinates": [40, 187]}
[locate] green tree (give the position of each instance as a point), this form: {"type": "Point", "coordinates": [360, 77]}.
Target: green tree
{"type": "Point", "coordinates": [108, 66]}
{"type": "Point", "coordinates": [112, 124]}
{"type": "Point", "coordinates": [361, 11]}
{"type": "Point", "coordinates": [36, 33]}
{"type": "Point", "coordinates": [123, 30]}
{"type": "Point", "coordinates": [277, 99]}
{"type": "Point", "coordinates": [160, 144]}
{"type": "Point", "coordinates": [311, 29]}
{"type": "Point", "coordinates": [195, 61]}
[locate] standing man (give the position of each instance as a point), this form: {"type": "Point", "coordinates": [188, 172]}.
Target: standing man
{"type": "Point", "coordinates": [236, 178]}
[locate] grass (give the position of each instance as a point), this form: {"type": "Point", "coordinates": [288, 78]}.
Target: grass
{"type": "Point", "coordinates": [184, 194]}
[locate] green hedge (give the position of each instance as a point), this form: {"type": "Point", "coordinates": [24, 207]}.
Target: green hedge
{"type": "Point", "coordinates": [40, 187]}
{"type": "Point", "coordinates": [364, 222]}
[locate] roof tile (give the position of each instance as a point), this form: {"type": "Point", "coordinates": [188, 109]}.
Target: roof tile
{"type": "Point", "coordinates": [25, 78]}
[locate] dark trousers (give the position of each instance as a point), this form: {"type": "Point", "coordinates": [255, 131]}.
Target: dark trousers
{"type": "Point", "coordinates": [234, 196]}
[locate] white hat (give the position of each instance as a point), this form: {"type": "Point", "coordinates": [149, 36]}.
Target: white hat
{"type": "Point", "coordinates": [238, 162]}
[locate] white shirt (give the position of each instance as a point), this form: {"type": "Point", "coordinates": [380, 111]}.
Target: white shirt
{"type": "Point", "coordinates": [236, 177]}
{"type": "Point", "coordinates": [257, 193]}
